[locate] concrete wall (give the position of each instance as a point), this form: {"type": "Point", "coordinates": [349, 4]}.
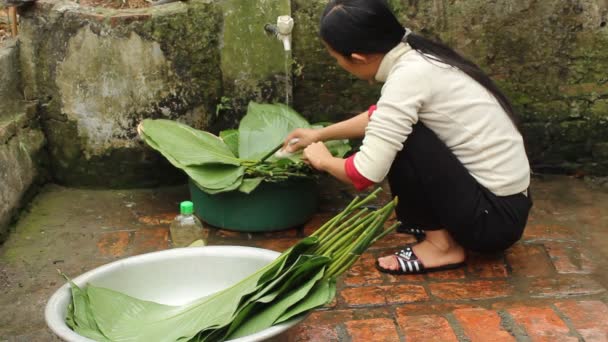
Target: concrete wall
{"type": "Point", "coordinates": [22, 155]}
{"type": "Point", "coordinates": [99, 72]}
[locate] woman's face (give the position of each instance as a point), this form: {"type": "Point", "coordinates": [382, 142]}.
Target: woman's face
{"type": "Point", "coordinates": [363, 66]}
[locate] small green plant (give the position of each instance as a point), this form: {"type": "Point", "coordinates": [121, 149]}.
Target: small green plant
{"type": "Point", "coordinates": [225, 104]}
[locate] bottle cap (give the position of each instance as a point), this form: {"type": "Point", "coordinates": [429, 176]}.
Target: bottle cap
{"type": "Point", "coordinates": [186, 208]}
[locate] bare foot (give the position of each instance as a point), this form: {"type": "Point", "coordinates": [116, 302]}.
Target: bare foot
{"type": "Point", "coordinates": [389, 262]}
{"type": "Point", "coordinates": [439, 249]}
{"type": "Point", "coordinates": [432, 255]}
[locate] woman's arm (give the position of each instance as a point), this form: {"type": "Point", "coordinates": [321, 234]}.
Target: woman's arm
{"type": "Point", "coordinates": [347, 129]}
{"type": "Point", "coordinates": [321, 159]}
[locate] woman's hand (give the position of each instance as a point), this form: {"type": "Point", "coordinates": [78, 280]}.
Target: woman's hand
{"type": "Point", "coordinates": [318, 156]}
{"type": "Point", "coordinates": [305, 136]}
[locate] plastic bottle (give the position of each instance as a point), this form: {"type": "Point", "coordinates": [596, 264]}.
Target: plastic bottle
{"type": "Point", "coordinates": [186, 228]}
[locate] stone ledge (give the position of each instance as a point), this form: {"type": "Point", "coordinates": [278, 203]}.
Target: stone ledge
{"type": "Point", "coordinates": [10, 80]}
{"type": "Point", "coordinates": [14, 118]}
{"type": "Point", "coordinates": [20, 168]}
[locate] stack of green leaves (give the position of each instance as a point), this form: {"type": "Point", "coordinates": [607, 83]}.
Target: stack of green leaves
{"type": "Point", "coordinates": [299, 280]}
{"type": "Point", "coordinates": [239, 159]}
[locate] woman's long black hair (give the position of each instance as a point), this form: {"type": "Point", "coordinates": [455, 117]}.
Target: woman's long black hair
{"type": "Point", "coordinates": [369, 26]}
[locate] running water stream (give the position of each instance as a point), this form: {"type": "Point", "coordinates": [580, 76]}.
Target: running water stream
{"type": "Point", "coordinates": [287, 77]}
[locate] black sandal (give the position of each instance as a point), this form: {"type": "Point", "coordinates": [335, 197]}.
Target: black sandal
{"type": "Point", "coordinates": [410, 264]}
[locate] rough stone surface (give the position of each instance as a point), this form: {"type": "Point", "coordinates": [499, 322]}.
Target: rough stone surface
{"type": "Point", "coordinates": [99, 72]}
{"type": "Point", "coordinates": [495, 298]}
{"type": "Point", "coordinates": [96, 79]}
{"type": "Point", "coordinates": [254, 64]}
{"type": "Point", "coordinates": [22, 157]}
{"type": "Point", "coordinates": [21, 165]}
{"type": "Point", "coordinates": [201, 62]}
{"type": "Point", "coordinates": [99, 89]}
{"type": "Point", "coordinates": [10, 80]}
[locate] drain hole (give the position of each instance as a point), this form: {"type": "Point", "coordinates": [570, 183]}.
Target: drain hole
{"type": "Point", "coordinates": [603, 24]}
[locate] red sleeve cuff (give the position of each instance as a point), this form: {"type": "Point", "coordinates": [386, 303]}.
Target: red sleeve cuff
{"type": "Point", "coordinates": [358, 180]}
{"type": "Point", "coordinates": [371, 110]}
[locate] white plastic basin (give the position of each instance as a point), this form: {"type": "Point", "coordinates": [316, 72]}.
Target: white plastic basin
{"type": "Point", "coordinates": [172, 277]}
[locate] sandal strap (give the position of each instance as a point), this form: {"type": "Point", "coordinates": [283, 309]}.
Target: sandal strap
{"type": "Point", "coordinates": [408, 261]}
{"type": "Point", "coordinates": [411, 230]}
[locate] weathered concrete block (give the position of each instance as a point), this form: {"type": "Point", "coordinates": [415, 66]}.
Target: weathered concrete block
{"type": "Point", "coordinates": [254, 64]}
{"type": "Point", "coordinates": [21, 160]}
{"type": "Point", "coordinates": [99, 72]}
{"type": "Point", "coordinates": [10, 80]}
{"type": "Point", "coordinates": [600, 152]}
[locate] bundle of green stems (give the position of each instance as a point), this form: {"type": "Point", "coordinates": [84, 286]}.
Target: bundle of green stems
{"type": "Point", "coordinates": [348, 234]}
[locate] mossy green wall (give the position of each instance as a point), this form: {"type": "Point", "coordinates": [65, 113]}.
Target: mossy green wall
{"type": "Point", "coordinates": [22, 143]}
{"type": "Point", "coordinates": [254, 64]}
{"type": "Point", "coordinates": [322, 90]}
{"type": "Point", "coordinates": [549, 56]}
{"type": "Point", "coordinates": [96, 73]}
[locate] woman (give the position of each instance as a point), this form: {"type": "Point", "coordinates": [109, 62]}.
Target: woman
{"type": "Point", "coordinates": [442, 131]}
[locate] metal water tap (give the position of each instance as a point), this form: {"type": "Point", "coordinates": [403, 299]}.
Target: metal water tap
{"type": "Point", "coordinates": [282, 30]}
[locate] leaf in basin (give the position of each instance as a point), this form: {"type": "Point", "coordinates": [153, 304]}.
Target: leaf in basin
{"type": "Point", "coordinates": [211, 191]}
{"type": "Point", "coordinates": [323, 293]}
{"type": "Point", "coordinates": [80, 316]}
{"type": "Point", "coordinates": [249, 184]}
{"type": "Point", "coordinates": [188, 146]}
{"type": "Point", "coordinates": [303, 272]}
{"type": "Point", "coordinates": [290, 256]}
{"type": "Point", "coordinates": [302, 266]}
{"type": "Point", "coordinates": [155, 146]}
{"type": "Point", "coordinates": [264, 127]}
{"type": "Point", "coordinates": [231, 139]}
{"type": "Point", "coordinates": [305, 267]}
{"type": "Point", "coordinates": [274, 310]}
{"type": "Point", "coordinates": [124, 318]}
{"type": "Point", "coordinates": [215, 176]}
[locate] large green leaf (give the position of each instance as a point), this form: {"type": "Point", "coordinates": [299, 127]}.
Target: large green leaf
{"type": "Point", "coordinates": [265, 318]}
{"type": "Point", "coordinates": [186, 145]}
{"type": "Point", "coordinates": [264, 127]}
{"type": "Point", "coordinates": [80, 316]}
{"type": "Point", "coordinates": [237, 184]}
{"type": "Point", "coordinates": [118, 317]}
{"type": "Point", "coordinates": [323, 293]}
{"type": "Point", "coordinates": [215, 176]}
{"type": "Point", "coordinates": [249, 184]}
{"type": "Point", "coordinates": [231, 138]}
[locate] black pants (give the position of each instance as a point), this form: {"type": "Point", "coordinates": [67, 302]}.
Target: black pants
{"type": "Point", "coordinates": [437, 192]}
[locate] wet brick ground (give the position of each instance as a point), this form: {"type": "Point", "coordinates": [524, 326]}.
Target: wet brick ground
{"type": "Point", "coordinates": [551, 286]}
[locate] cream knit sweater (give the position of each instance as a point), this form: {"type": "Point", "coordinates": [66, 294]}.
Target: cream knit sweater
{"type": "Point", "coordinates": [463, 114]}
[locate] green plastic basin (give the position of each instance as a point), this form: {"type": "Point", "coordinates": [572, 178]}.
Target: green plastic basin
{"type": "Point", "coordinates": [270, 207]}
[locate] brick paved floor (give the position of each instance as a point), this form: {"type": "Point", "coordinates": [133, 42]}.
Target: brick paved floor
{"type": "Point", "coordinates": [551, 286]}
